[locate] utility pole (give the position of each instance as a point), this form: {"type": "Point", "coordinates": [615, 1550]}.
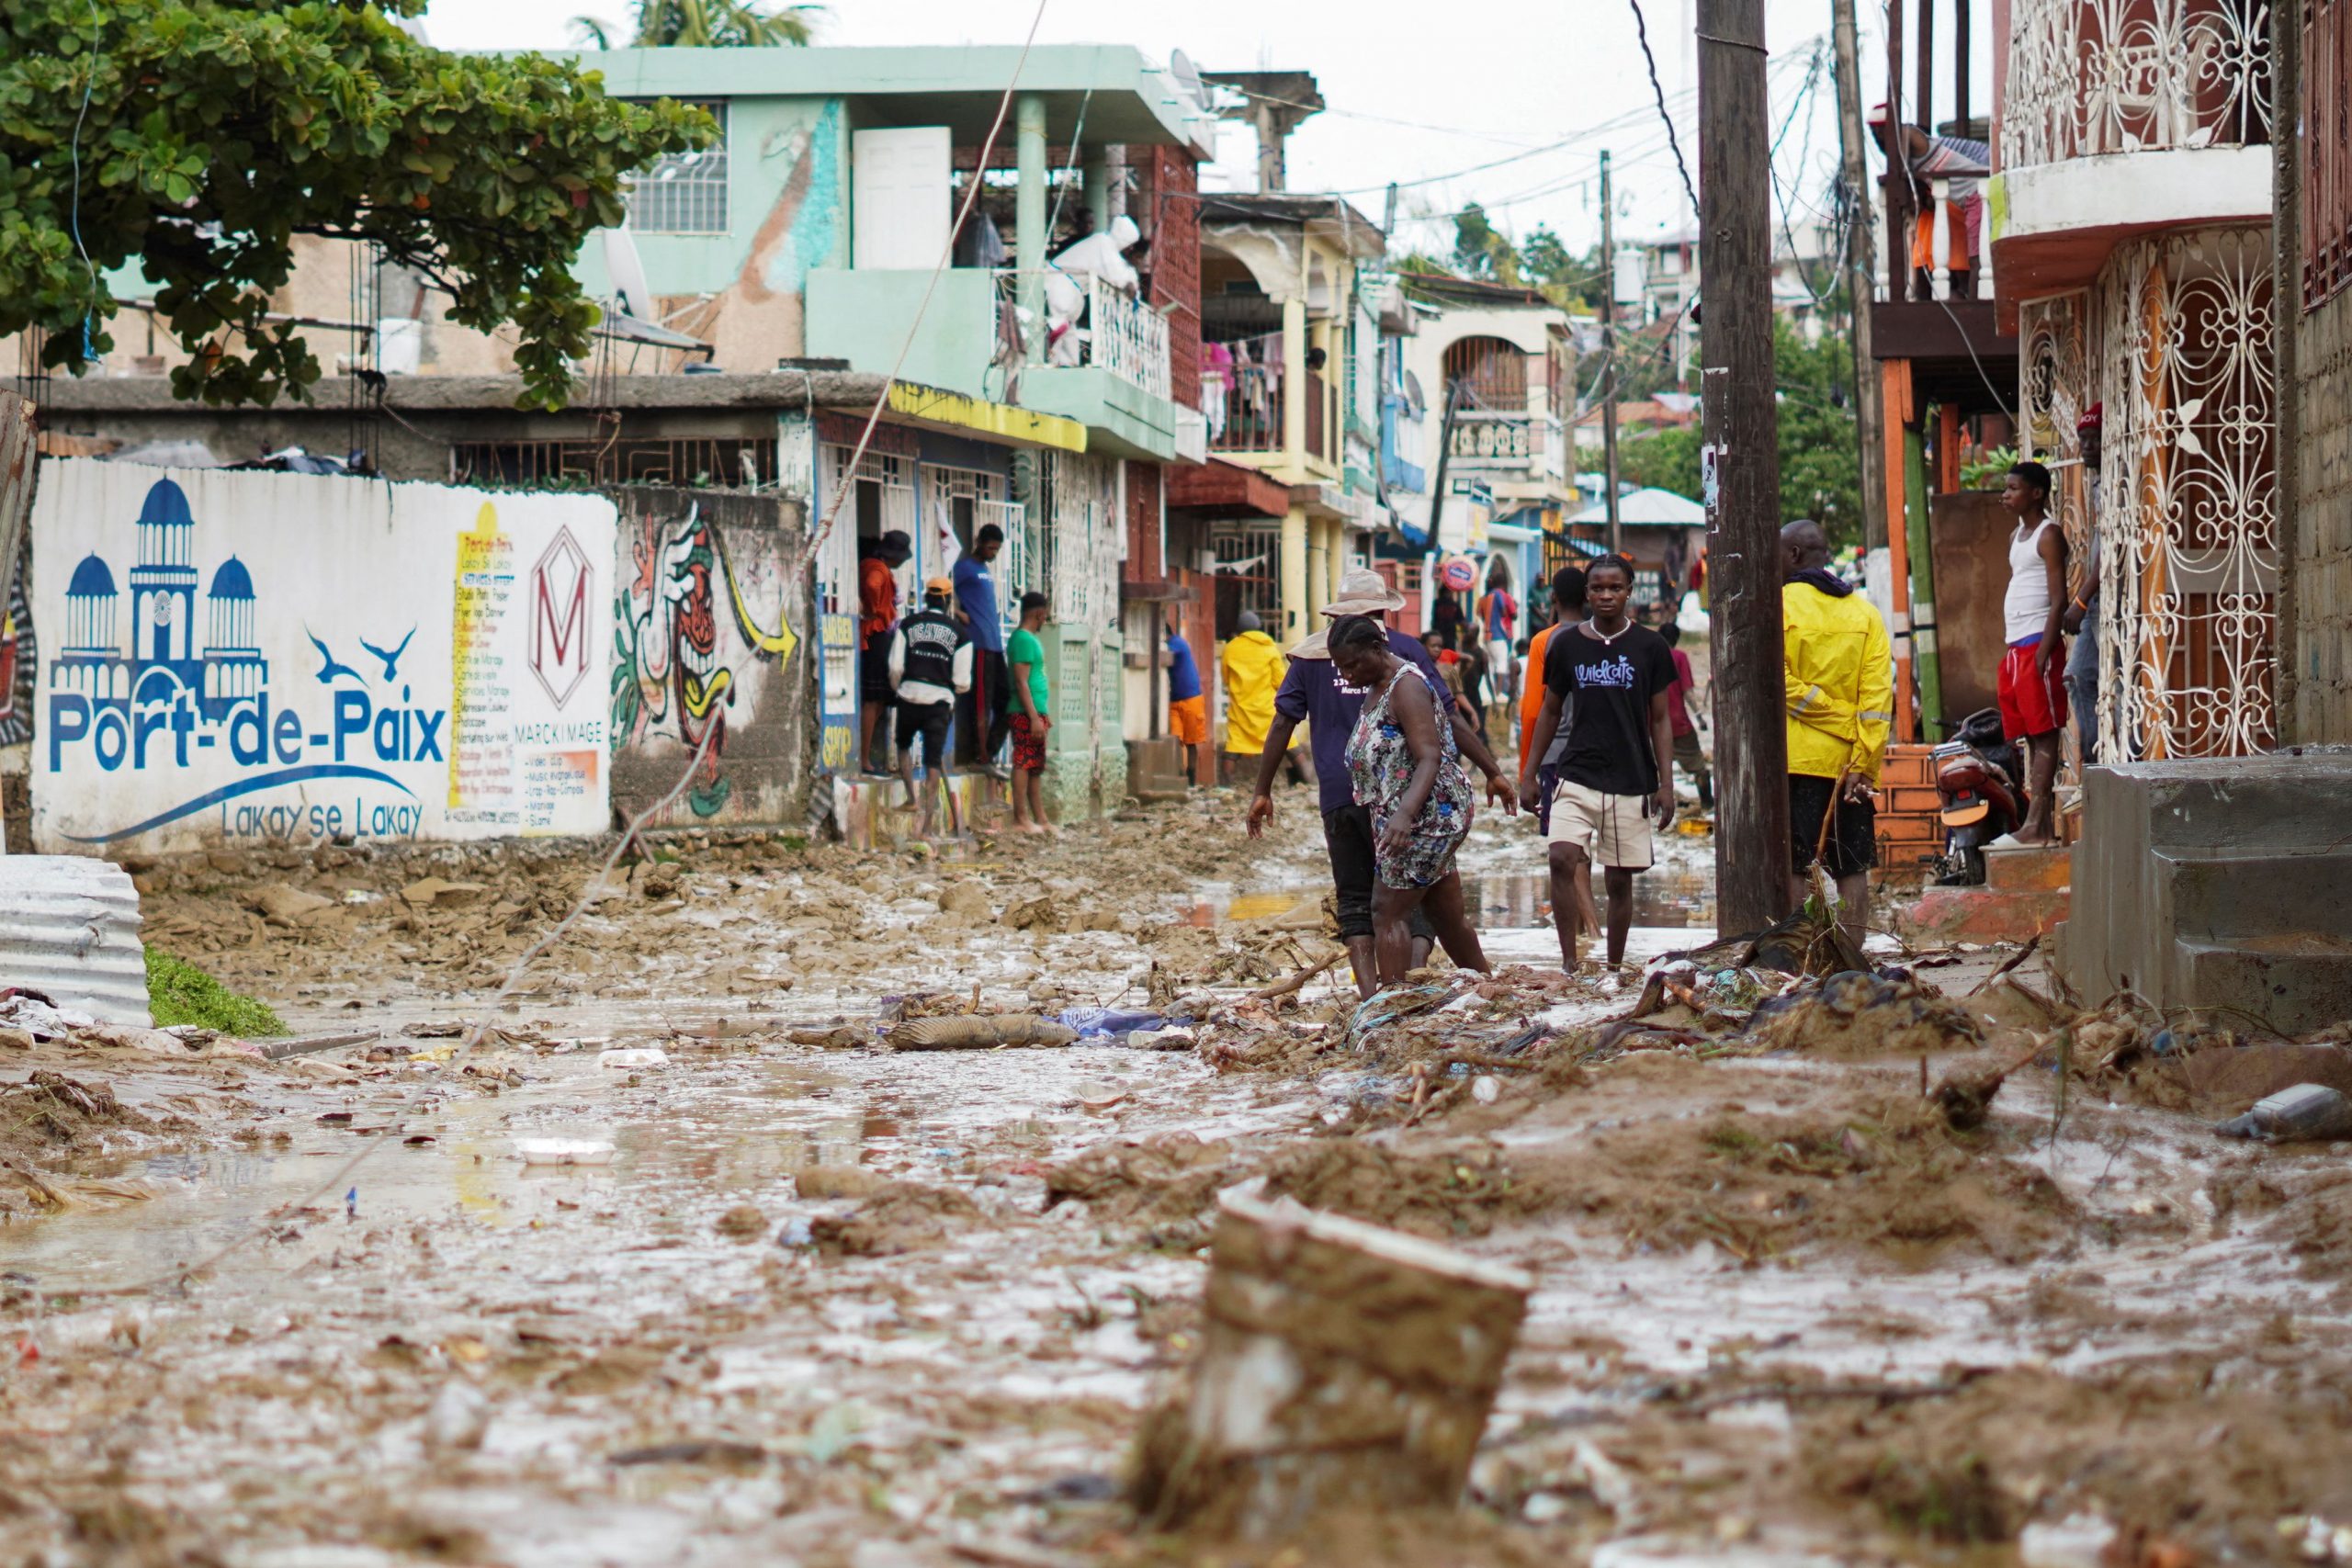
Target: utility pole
{"type": "Point", "coordinates": [1868, 409]}
{"type": "Point", "coordinates": [1739, 467]}
{"type": "Point", "coordinates": [1609, 355]}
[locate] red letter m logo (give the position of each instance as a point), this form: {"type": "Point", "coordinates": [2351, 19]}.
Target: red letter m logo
{"type": "Point", "coordinates": [559, 649]}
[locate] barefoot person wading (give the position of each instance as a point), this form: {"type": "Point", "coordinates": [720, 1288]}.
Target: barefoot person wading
{"type": "Point", "coordinates": [1406, 770]}
{"type": "Point", "coordinates": [1315, 693]}
{"type": "Point", "coordinates": [1615, 769]}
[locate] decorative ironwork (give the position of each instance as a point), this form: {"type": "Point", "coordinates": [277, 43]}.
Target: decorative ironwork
{"type": "Point", "coordinates": [1506, 438]}
{"type": "Point", "coordinates": [2092, 77]}
{"type": "Point", "coordinates": [2055, 385]}
{"type": "Point", "coordinates": [723, 460]}
{"type": "Point", "coordinates": [2188, 521]}
{"type": "Point", "coordinates": [1127, 337]}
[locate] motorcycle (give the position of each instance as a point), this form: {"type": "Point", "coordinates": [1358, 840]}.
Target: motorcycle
{"type": "Point", "coordinates": [1980, 779]}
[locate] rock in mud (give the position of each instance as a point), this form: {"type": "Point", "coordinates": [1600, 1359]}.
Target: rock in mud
{"type": "Point", "coordinates": [821, 1181]}
{"type": "Point", "coordinates": [438, 893]}
{"type": "Point", "coordinates": [964, 898]}
{"type": "Point", "coordinates": [898, 1216]}
{"type": "Point", "coordinates": [742, 1222]}
{"type": "Point", "coordinates": [290, 907]}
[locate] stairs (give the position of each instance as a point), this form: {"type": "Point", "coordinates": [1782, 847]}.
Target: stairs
{"type": "Point", "coordinates": [2223, 883]}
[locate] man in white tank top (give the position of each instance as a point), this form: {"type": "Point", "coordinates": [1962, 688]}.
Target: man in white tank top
{"type": "Point", "coordinates": [2032, 684]}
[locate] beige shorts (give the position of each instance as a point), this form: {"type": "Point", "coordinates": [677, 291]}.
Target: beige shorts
{"type": "Point", "coordinates": [1614, 830]}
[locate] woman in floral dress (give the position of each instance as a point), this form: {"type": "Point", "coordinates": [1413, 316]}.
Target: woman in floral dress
{"type": "Point", "coordinates": [1407, 774]}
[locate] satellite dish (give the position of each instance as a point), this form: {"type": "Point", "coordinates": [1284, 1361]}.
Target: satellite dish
{"type": "Point", "coordinates": [1413, 393]}
{"type": "Point", "coordinates": [1181, 67]}
{"type": "Point", "coordinates": [627, 271]}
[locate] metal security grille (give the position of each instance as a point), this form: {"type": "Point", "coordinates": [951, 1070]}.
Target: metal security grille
{"type": "Point", "coordinates": [2188, 520]}
{"type": "Point", "coordinates": [1250, 559]}
{"type": "Point", "coordinates": [2092, 77]}
{"type": "Point", "coordinates": [685, 193]}
{"type": "Point", "coordinates": [2055, 373]}
{"type": "Point", "coordinates": [725, 461]}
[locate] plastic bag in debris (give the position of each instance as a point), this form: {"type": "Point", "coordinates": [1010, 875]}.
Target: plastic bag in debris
{"type": "Point", "coordinates": [1385, 1007]}
{"type": "Point", "coordinates": [1091, 1022]}
{"type": "Point", "coordinates": [2307, 1113]}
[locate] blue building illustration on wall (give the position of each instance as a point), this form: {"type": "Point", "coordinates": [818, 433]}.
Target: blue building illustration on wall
{"type": "Point", "coordinates": [156, 656]}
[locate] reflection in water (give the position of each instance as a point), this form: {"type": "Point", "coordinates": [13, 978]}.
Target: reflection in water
{"type": "Point", "coordinates": [1675, 896]}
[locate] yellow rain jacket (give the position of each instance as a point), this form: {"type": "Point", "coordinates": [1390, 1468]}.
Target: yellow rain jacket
{"type": "Point", "coordinates": [1253, 672]}
{"type": "Point", "coordinates": [1840, 674]}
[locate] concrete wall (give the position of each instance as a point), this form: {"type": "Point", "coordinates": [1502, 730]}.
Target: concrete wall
{"type": "Point", "coordinates": [240, 657]}
{"type": "Point", "coordinates": [710, 605]}
{"type": "Point", "coordinates": [2323, 564]}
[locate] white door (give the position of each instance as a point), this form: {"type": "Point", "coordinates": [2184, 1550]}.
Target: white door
{"type": "Point", "coordinates": [901, 192]}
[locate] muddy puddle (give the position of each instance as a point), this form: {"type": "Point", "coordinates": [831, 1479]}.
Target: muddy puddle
{"type": "Point", "coordinates": [832, 1305]}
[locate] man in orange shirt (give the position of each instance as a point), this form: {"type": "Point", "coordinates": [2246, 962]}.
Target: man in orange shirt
{"type": "Point", "coordinates": [1567, 609]}
{"type": "Point", "coordinates": [878, 618]}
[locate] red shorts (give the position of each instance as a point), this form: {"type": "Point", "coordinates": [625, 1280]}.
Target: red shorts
{"type": "Point", "coordinates": [2034, 700]}
{"type": "Point", "coordinates": [1028, 745]}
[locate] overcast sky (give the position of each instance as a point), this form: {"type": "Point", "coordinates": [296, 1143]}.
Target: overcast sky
{"type": "Point", "coordinates": [1418, 92]}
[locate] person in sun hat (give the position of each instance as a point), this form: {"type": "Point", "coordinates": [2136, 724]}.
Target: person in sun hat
{"type": "Point", "coordinates": [1314, 691]}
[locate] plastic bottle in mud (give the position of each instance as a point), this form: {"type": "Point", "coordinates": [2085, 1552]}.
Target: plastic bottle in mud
{"type": "Point", "coordinates": [2307, 1113]}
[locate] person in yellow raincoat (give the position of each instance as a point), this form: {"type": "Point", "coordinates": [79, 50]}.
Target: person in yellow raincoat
{"type": "Point", "coordinates": [1253, 672]}
{"type": "Point", "coordinates": [1840, 674]}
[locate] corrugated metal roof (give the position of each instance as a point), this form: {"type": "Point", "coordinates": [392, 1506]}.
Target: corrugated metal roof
{"type": "Point", "coordinates": [69, 929]}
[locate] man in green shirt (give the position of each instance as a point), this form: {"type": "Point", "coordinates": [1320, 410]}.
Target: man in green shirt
{"type": "Point", "coordinates": [1032, 715]}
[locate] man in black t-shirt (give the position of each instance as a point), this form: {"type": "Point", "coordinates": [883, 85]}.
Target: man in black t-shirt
{"type": "Point", "coordinates": [1612, 771]}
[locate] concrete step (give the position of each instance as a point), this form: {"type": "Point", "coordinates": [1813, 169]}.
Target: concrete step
{"type": "Point", "coordinates": [2295, 982]}
{"type": "Point", "coordinates": [2215, 898]}
{"type": "Point", "coordinates": [1987, 914]}
{"type": "Point", "coordinates": [2282, 803]}
{"type": "Point", "coordinates": [2035, 868]}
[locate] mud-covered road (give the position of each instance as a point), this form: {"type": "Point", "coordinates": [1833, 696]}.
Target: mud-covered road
{"type": "Point", "coordinates": [835, 1305]}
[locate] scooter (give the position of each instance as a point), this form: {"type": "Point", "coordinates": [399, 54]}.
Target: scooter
{"type": "Point", "coordinates": [1981, 781]}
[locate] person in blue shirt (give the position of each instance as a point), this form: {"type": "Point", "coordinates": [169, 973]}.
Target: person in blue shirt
{"type": "Point", "coordinates": [981, 714]}
{"type": "Point", "coordinates": [1313, 691]}
{"type": "Point", "coordinates": [1188, 708]}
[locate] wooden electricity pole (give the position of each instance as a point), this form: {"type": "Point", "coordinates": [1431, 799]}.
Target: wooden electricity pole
{"type": "Point", "coordinates": [1740, 468]}
{"type": "Point", "coordinates": [1609, 358]}
{"type": "Point", "coordinates": [1859, 290]}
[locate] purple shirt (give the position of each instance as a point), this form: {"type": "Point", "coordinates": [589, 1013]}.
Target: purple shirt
{"type": "Point", "coordinates": [1313, 691]}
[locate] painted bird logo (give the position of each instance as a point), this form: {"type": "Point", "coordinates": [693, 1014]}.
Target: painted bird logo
{"type": "Point", "coordinates": [392, 659]}
{"type": "Point", "coordinates": [329, 668]}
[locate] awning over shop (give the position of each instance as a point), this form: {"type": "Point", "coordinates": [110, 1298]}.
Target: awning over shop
{"type": "Point", "coordinates": [1651, 508]}
{"type": "Point", "coordinates": [1219, 489]}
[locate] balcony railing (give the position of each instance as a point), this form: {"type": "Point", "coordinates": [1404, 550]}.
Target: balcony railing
{"type": "Point", "coordinates": [1509, 440]}
{"type": "Point", "coordinates": [2093, 76]}
{"type": "Point", "coordinates": [1252, 397]}
{"type": "Point", "coordinates": [1128, 338]}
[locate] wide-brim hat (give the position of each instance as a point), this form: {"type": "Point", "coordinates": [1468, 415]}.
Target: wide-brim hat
{"type": "Point", "coordinates": [1316, 646]}
{"type": "Point", "coordinates": [1363, 593]}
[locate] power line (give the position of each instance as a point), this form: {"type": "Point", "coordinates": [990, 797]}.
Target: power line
{"type": "Point", "coordinates": [1641, 31]}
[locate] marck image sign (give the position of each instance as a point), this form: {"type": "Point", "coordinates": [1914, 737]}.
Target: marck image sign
{"type": "Point", "coordinates": [262, 657]}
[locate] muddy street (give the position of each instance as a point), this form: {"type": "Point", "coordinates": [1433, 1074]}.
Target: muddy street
{"type": "Point", "coordinates": [1812, 1284]}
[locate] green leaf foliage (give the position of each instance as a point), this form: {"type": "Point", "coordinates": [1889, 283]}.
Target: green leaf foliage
{"type": "Point", "coordinates": [1820, 461]}
{"type": "Point", "coordinates": [178, 992]}
{"type": "Point", "coordinates": [215, 132]}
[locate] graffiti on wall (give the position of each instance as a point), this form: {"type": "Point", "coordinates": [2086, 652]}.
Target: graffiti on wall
{"type": "Point", "coordinates": [381, 695]}
{"type": "Point", "coordinates": [688, 647]}
{"type": "Point", "coordinates": [19, 659]}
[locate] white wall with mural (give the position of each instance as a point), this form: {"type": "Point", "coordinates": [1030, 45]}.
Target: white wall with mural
{"type": "Point", "coordinates": [256, 658]}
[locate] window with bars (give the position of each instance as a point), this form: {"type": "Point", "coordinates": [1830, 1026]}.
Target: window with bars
{"type": "Point", "coordinates": [685, 193]}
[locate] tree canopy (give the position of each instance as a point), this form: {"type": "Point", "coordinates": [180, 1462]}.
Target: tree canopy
{"type": "Point", "coordinates": [706, 24]}
{"type": "Point", "coordinates": [197, 139]}
{"type": "Point", "coordinates": [1820, 464]}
